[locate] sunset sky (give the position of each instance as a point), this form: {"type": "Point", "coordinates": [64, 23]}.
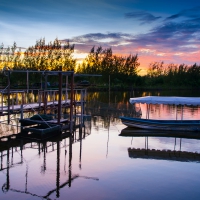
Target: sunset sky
{"type": "Point", "coordinates": [156, 30]}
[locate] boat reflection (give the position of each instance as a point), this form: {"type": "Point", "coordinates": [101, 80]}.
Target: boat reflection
{"type": "Point", "coordinates": [134, 132]}
{"type": "Point", "coordinates": [163, 154]}
{"type": "Point", "coordinates": [14, 146]}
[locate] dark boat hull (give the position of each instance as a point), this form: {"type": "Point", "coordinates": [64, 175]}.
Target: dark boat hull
{"type": "Point", "coordinates": [169, 125]}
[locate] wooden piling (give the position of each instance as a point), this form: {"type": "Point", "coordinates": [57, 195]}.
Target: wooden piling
{"type": "Point", "coordinates": [8, 97]}
{"type": "Point", "coordinates": [45, 94]}
{"type": "Point", "coordinates": [60, 95]}
{"type": "Point", "coordinates": [71, 102]}
{"type": "Point", "coordinates": [66, 92]}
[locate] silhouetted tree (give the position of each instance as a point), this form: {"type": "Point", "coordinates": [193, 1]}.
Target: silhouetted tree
{"type": "Point", "coordinates": [102, 61]}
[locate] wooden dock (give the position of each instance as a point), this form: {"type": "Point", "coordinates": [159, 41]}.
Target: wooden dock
{"type": "Point", "coordinates": [19, 101]}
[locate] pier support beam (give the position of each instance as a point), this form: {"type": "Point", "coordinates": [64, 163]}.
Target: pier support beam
{"type": "Point", "coordinates": [8, 97]}
{"type": "Point", "coordinates": [71, 102]}
{"type": "Point", "coordinates": [60, 95]}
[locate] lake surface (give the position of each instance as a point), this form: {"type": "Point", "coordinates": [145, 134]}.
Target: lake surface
{"type": "Point", "coordinates": [98, 164]}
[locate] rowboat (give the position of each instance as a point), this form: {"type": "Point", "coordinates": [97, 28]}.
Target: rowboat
{"type": "Point", "coordinates": [156, 124]}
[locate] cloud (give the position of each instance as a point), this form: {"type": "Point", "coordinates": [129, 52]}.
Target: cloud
{"type": "Point", "coordinates": [189, 13]}
{"type": "Point", "coordinates": [142, 16]}
{"type": "Point", "coordinates": [168, 41]}
{"type": "Point", "coordinates": [169, 36]}
{"type": "Point", "coordinates": [85, 42]}
{"type": "Point", "coordinates": [172, 35]}
{"type": "Point", "coordinates": [99, 36]}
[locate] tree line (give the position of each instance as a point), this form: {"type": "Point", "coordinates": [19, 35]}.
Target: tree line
{"type": "Point", "coordinates": [123, 70]}
{"type": "Point", "coordinates": [172, 75]}
{"type": "Point", "coordinates": [51, 56]}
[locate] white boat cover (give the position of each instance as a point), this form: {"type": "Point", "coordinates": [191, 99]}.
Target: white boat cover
{"type": "Point", "coordinates": [166, 100]}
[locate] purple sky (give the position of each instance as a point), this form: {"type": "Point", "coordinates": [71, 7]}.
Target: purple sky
{"type": "Point", "coordinates": [156, 30]}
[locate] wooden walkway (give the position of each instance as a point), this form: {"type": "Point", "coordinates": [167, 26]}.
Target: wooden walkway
{"type": "Point", "coordinates": [36, 106]}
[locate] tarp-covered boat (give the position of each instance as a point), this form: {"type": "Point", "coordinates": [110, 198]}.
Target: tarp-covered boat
{"type": "Point", "coordinates": [170, 125]}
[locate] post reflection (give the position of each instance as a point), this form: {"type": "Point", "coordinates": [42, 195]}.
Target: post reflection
{"type": "Point", "coordinates": [14, 153]}
{"type": "Point", "coordinates": [80, 154]}
{"type": "Point", "coordinates": [58, 170]}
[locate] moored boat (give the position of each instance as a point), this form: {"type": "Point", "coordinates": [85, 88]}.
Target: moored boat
{"type": "Point", "coordinates": [170, 125]}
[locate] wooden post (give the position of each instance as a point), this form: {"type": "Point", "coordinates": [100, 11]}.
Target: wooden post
{"type": "Point", "coordinates": [39, 99]}
{"type": "Point", "coordinates": [45, 94]}
{"type": "Point", "coordinates": [12, 103]}
{"type": "Point", "coordinates": [81, 108]}
{"type": "Point", "coordinates": [27, 83]}
{"type": "Point", "coordinates": [23, 98]}
{"type": "Point", "coordinates": [146, 110]}
{"type": "Point", "coordinates": [60, 95]}
{"type": "Point", "coordinates": [84, 99]}
{"type": "Point", "coordinates": [54, 97]}
{"type": "Point", "coordinates": [33, 95]}
{"type": "Point", "coordinates": [50, 93]}
{"type": "Point", "coordinates": [149, 110]}
{"type": "Point", "coordinates": [21, 115]}
{"type": "Point", "coordinates": [75, 92]}
{"type": "Point", "coordinates": [181, 112]}
{"type": "Point", "coordinates": [41, 82]}
{"type": "Point", "coordinates": [71, 102]}
{"type": "Point", "coordinates": [8, 97]}
{"type": "Point", "coordinates": [66, 92]}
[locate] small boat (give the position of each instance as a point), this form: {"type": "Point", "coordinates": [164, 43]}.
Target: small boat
{"type": "Point", "coordinates": [169, 125]}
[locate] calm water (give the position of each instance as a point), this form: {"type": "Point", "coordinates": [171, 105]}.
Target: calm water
{"type": "Point", "coordinates": [98, 166]}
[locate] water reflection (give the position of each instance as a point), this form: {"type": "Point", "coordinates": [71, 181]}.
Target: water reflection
{"type": "Point", "coordinates": [17, 151]}
{"type": "Point", "coordinates": [71, 167]}
{"type": "Point", "coordinates": [168, 137]}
